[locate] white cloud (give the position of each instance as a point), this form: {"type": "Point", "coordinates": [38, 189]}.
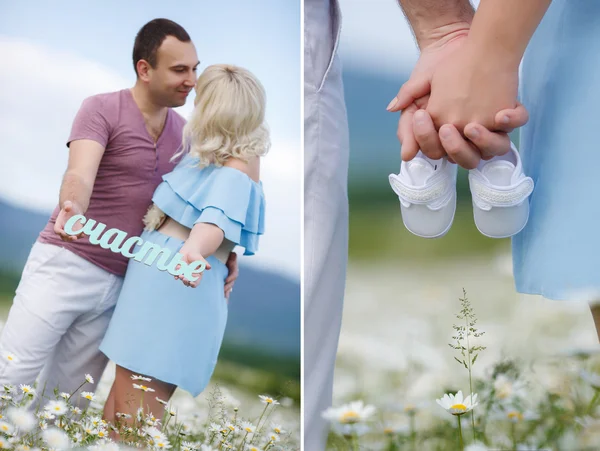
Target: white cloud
{"type": "Point", "coordinates": [41, 93]}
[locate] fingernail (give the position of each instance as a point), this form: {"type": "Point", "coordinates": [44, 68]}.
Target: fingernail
{"type": "Point", "coordinates": [444, 133]}
{"type": "Point", "coordinates": [392, 104]}
{"type": "Point", "coordinates": [419, 117]}
{"type": "Point", "coordinates": [473, 133]}
{"type": "Point", "coordinates": [505, 119]}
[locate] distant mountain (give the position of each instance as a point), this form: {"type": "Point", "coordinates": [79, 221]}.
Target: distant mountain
{"type": "Point", "coordinates": [264, 309]}
{"type": "Point", "coordinates": [374, 148]}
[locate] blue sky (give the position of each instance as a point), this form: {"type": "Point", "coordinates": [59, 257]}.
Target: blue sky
{"type": "Point", "coordinates": [56, 54]}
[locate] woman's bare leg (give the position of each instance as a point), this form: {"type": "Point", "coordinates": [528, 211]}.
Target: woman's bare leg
{"type": "Point", "coordinates": [595, 307]}
{"type": "Point", "coordinates": [128, 399]}
{"type": "Point", "coordinates": [109, 407]}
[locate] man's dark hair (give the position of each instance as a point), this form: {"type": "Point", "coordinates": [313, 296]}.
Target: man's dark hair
{"type": "Point", "coordinates": [151, 36]}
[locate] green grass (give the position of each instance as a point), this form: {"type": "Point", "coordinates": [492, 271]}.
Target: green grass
{"type": "Point", "coordinates": [377, 231]}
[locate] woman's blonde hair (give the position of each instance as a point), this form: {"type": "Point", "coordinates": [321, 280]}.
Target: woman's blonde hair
{"type": "Point", "coordinates": [228, 118]}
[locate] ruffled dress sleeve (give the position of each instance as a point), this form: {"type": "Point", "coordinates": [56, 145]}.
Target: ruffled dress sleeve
{"type": "Point", "coordinates": [223, 196]}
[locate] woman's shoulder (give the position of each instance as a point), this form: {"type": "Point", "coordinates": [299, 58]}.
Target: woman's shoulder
{"type": "Point", "coordinates": [235, 175]}
{"type": "Point", "coordinates": [251, 167]}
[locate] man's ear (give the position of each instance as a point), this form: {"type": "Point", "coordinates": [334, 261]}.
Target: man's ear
{"type": "Point", "coordinates": [143, 69]}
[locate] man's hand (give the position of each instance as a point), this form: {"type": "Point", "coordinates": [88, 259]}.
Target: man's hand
{"type": "Point", "coordinates": [68, 210]}
{"type": "Point", "coordinates": [232, 266]}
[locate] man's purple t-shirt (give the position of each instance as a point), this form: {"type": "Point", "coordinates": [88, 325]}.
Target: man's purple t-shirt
{"type": "Point", "coordinates": [130, 170]}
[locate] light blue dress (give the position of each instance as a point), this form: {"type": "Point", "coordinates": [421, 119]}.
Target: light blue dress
{"type": "Point", "coordinates": [160, 327]}
{"type": "Point", "coordinates": [558, 254]}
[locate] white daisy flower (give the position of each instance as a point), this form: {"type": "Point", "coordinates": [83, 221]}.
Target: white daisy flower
{"type": "Point", "coordinates": [507, 389]}
{"type": "Point", "coordinates": [21, 418]}
{"type": "Point", "coordinates": [89, 429]}
{"type": "Point", "coordinates": [214, 427]}
{"type": "Point", "coordinates": [43, 425]}
{"type": "Point", "coordinates": [187, 446]}
{"type": "Point", "coordinates": [143, 387]}
{"type": "Point", "coordinates": [6, 428]}
{"type": "Point", "coordinates": [10, 357]}
{"type": "Point", "coordinates": [89, 379]}
{"type": "Point", "coordinates": [252, 448]}
{"type": "Point", "coordinates": [95, 420]}
{"type": "Point", "coordinates": [456, 404]}
{"type": "Point", "coordinates": [45, 415]}
{"type": "Point", "coordinates": [140, 378]}
{"type": "Point", "coordinates": [57, 407]}
{"type": "Point", "coordinates": [277, 428]}
{"type": "Point", "coordinates": [27, 389]}
{"type": "Point", "coordinates": [76, 410]}
{"type": "Point", "coordinates": [55, 438]}
{"type": "Point", "coordinates": [4, 443]}
{"type": "Point", "coordinates": [515, 416]}
{"type": "Point", "coordinates": [65, 396]}
{"type": "Point", "coordinates": [171, 411]}
{"type": "Point", "coordinates": [164, 403]}
{"type": "Point", "coordinates": [248, 427]}
{"type": "Point", "coordinates": [393, 429]}
{"type": "Point", "coordinates": [5, 397]}
{"type": "Point", "coordinates": [352, 413]}
{"type": "Point", "coordinates": [162, 444]}
{"type": "Point", "coordinates": [123, 415]}
{"type": "Point", "coordinates": [155, 434]}
{"type": "Point", "coordinates": [268, 400]}
{"type": "Point", "coordinates": [88, 395]}
{"type": "Point", "coordinates": [273, 438]}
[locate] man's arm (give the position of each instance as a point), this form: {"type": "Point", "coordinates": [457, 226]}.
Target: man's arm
{"type": "Point", "coordinates": [78, 183]}
{"type": "Point", "coordinates": [431, 20]}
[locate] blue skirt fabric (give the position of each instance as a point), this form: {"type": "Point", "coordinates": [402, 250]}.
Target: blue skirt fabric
{"type": "Point", "coordinates": [165, 330]}
{"type": "Point", "coordinates": [557, 254]}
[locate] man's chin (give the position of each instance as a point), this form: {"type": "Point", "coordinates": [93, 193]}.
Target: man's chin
{"type": "Point", "coordinates": [176, 104]}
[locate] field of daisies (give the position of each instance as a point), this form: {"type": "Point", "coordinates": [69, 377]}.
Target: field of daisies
{"type": "Point", "coordinates": [34, 419]}
{"type": "Point", "coordinates": [423, 365]}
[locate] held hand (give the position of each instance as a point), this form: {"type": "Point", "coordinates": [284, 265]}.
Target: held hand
{"type": "Point", "coordinates": [481, 143]}
{"type": "Point", "coordinates": [68, 210]}
{"type": "Point", "coordinates": [468, 88]}
{"type": "Point", "coordinates": [232, 266]}
{"type": "Point", "coordinates": [417, 130]}
{"type": "Point", "coordinates": [189, 256]}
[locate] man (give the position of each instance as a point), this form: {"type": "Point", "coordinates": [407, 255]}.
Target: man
{"type": "Point", "coordinates": [120, 145]}
{"type": "Point", "coordinates": [439, 27]}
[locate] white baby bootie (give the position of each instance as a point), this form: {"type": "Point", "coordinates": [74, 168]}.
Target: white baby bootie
{"type": "Point", "coordinates": [426, 189]}
{"type": "Point", "coordinates": [500, 192]}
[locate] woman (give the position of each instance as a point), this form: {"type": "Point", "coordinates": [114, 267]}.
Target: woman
{"type": "Point", "coordinates": [213, 200]}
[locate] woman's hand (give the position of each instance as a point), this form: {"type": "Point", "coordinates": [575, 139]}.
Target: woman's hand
{"type": "Point", "coordinates": [189, 256]}
{"type": "Point", "coordinates": [470, 88]}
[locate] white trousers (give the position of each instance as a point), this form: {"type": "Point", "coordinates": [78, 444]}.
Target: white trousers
{"type": "Point", "coordinates": [61, 310]}
{"type": "Point", "coordinates": [326, 153]}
